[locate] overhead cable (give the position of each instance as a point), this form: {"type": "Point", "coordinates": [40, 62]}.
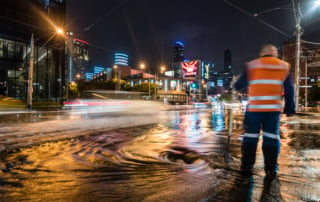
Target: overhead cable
{"type": "Point", "coordinates": [103, 16]}
{"type": "Point", "coordinates": [258, 19]}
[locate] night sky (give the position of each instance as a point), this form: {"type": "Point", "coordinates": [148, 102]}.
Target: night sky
{"type": "Point", "coordinates": [147, 29]}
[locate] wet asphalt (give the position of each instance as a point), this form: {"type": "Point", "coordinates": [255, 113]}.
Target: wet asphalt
{"type": "Point", "coordinates": [175, 154]}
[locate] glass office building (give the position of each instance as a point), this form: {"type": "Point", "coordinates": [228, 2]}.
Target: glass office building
{"type": "Point", "coordinates": [19, 21]}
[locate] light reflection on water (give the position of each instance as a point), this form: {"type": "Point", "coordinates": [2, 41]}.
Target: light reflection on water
{"type": "Point", "coordinates": [180, 159]}
{"type": "Point", "coordinates": [102, 166]}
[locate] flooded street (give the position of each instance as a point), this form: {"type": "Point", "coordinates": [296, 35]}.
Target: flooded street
{"type": "Point", "coordinates": [173, 155]}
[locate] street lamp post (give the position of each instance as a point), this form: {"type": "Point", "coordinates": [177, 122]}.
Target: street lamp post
{"type": "Point", "coordinates": [117, 77]}
{"type": "Point", "coordinates": [30, 75]}
{"type": "Point", "coordinates": [149, 83]}
{"type": "Point", "coordinates": [306, 83]}
{"type": "Point", "coordinates": [142, 66]}
{"type": "Point", "coordinates": [156, 85]}
{"type": "Point", "coordinates": [162, 69]}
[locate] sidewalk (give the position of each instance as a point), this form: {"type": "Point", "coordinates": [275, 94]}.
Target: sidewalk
{"type": "Point", "coordinates": [10, 105]}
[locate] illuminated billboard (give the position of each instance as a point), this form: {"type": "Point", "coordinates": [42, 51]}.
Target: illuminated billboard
{"type": "Point", "coordinates": [206, 71]}
{"type": "Point", "coordinates": [190, 69]}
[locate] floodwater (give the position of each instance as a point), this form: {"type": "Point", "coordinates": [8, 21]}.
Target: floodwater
{"type": "Point", "coordinates": [184, 155]}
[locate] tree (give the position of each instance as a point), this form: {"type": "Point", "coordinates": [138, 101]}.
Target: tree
{"type": "Point", "coordinates": [144, 87]}
{"type": "Point", "coordinates": [226, 97]}
{"type": "Point", "coordinates": [73, 90]}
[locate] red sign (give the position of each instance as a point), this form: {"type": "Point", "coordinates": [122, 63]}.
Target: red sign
{"type": "Point", "coordinates": [190, 69]}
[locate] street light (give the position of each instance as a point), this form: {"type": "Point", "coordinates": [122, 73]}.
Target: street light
{"type": "Point", "coordinates": [143, 66]}
{"type": "Point", "coordinates": [117, 77]}
{"type": "Point", "coordinates": [162, 69]}
{"type": "Point", "coordinates": [59, 31]}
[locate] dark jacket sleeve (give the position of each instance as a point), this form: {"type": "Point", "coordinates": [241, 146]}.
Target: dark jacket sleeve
{"type": "Point", "coordinates": [289, 107]}
{"type": "Point", "coordinates": [242, 82]}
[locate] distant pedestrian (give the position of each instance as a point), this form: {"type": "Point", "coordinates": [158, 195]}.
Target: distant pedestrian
{"type": "Point", "coordinates": [266, 78]}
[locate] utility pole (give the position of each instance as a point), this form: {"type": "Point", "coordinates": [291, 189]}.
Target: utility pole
{"type": "Point", "coordinates": [149, 83]}
{"type": "Point", "coordinates": [119, 79]}
{"type": "Point", "coordinates": [30, 75]}
{"type": "Point", "coordinates": [156, 85]}
{"type": "Point", "coordinates": [298, 33]}
{"type": "Point", "coordinates": [306, 83]}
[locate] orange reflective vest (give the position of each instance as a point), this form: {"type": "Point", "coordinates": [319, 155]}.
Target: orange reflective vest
{"type": "Point", "coordinates": [265, 83]}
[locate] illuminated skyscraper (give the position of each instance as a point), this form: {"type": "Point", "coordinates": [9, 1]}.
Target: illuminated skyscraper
{"type": "Point", "coordinates": [121, 59]}
{"type": "Point", "coordinates": [81, 58]}
{"type": "Point", "coordinates": [98, 69]}
{"type": "Point", "coordinates": [178, 52]}
{"type": "Point", "coordinates": [178, 57]}
{"type": "Point", "coordinates": [227, 61]}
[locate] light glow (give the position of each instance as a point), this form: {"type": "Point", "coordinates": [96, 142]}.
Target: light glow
{"type": "Point", "coordinates": [59, 31]}
{"type": "Point", "coordinates": [142, 65]}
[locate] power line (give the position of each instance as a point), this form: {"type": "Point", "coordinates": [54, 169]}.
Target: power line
{"type": "Point", "coordinates": [310, 42]}
{"type": "Point", "coordinates": [87, 28]}
{"type": "Point", "coordinates": [103, 16]}
{"type": "Point", "coordinates": [101, 48]}
{"type": "Point", "coordinates": [26, 24]}
{"type": "Point", "coordinates": [258, 19]}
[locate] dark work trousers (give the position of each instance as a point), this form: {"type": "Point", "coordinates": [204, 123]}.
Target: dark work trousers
{"type": "Point", "coordinates": [269, 124]}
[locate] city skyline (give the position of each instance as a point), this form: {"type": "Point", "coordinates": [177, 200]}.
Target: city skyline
{"type": "Point", "coordinates": [147, 31]}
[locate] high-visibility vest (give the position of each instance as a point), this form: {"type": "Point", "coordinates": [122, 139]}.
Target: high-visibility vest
{"type": "Point", "coordinates": [265, 83]}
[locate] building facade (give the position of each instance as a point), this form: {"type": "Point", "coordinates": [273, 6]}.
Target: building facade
{"type": "Point", "coordinates": [178, 52]}
{"type": "Point", "coordinates": [178, 57]}
{"type": "Point", "coordinates": [81, 58]}
{"type": "Point", "coordinates": [19, 21]}
{"type": "Point", "coordinates": [227, 61]}
{"type": "Point", "coordinates": [221, 82]}
{"type": "Point", "coordinates": [121, 59]}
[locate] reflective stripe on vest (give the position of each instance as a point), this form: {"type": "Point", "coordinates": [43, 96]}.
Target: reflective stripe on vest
{"type": "Point", "coordinates": [266, 81]}
{"type": "Point", "coordinates": [257, 65]}
{"type": "Point", "coordinates": [265, 98]}
{"type": "Point", "coordinates": [275, 107]}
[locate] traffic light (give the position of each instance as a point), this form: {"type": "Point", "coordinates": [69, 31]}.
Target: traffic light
{"type": "Point", "coordinates": [194, 85]}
